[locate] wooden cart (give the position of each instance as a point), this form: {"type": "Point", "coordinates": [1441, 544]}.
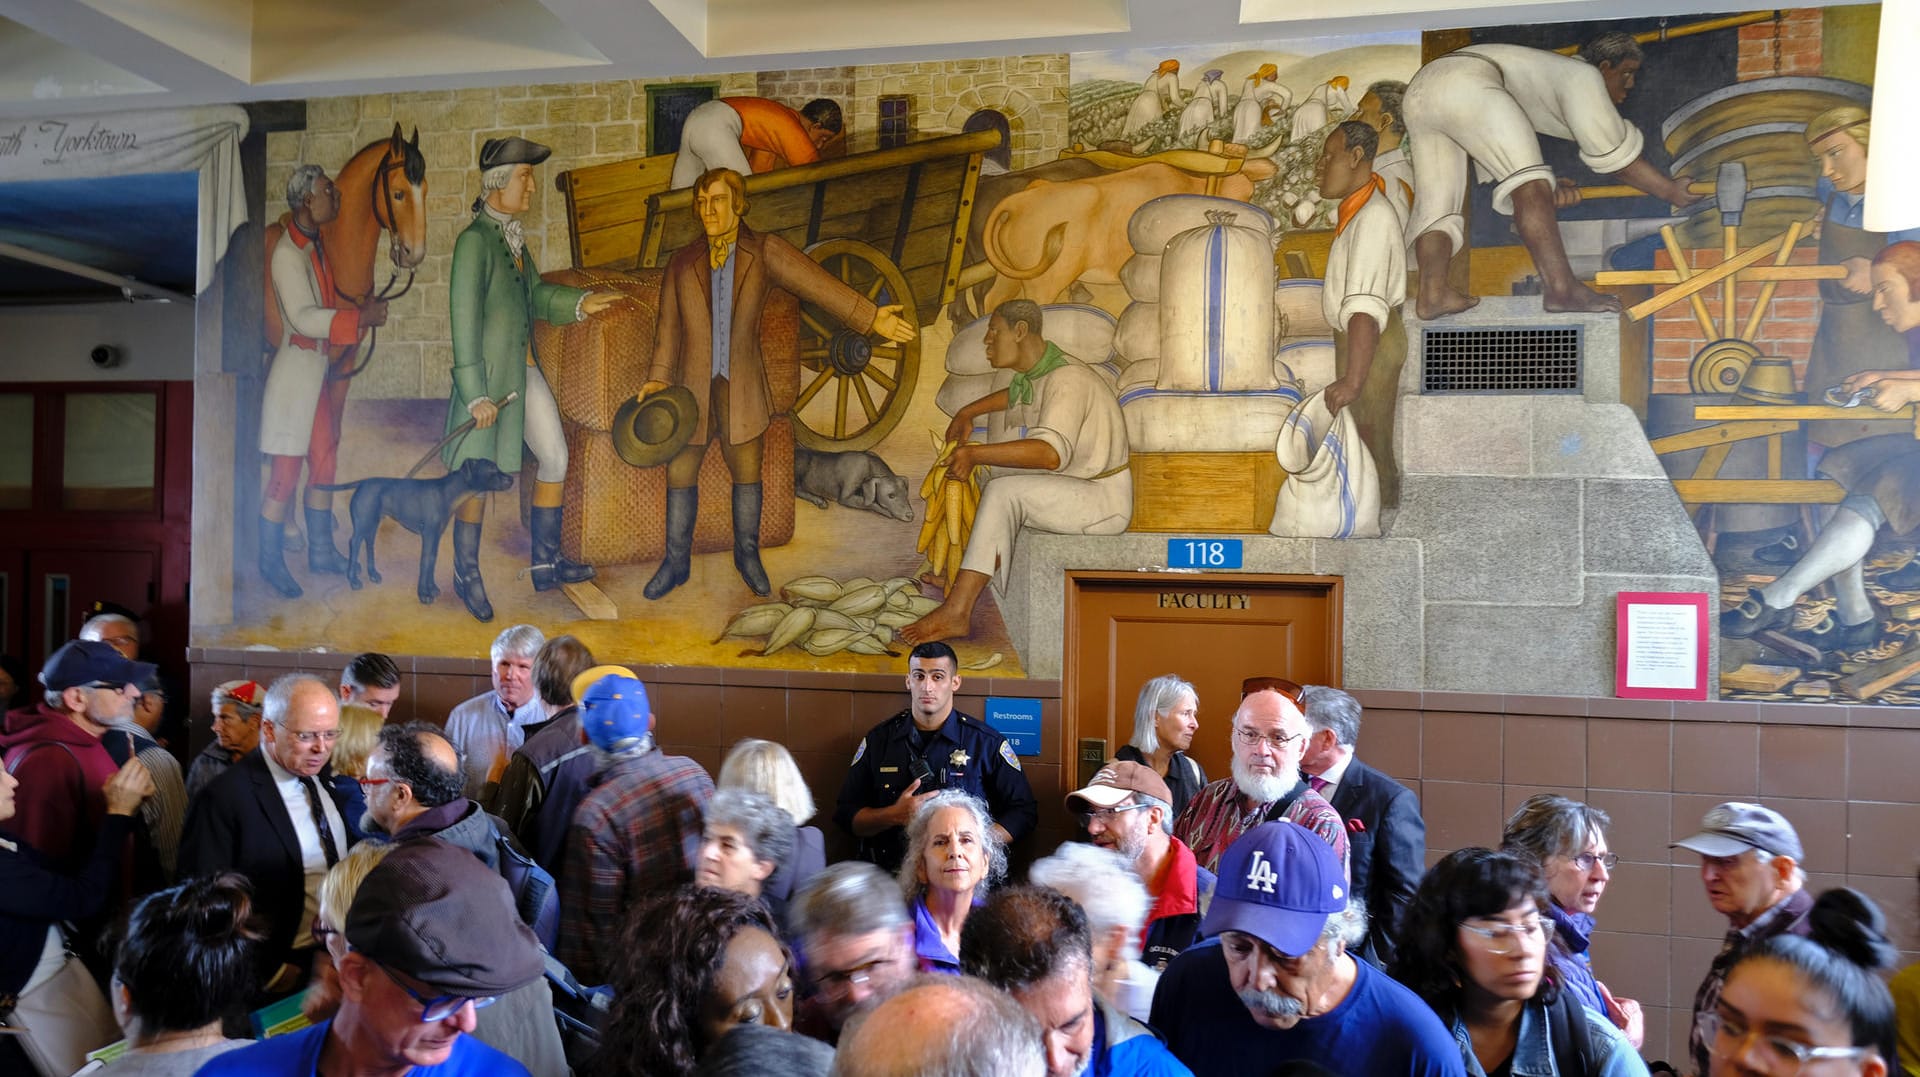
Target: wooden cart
{"type": "Point", "coordinates": [891, 223]}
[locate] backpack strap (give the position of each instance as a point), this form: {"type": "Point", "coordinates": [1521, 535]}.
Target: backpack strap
{"type": "Point", "coordinates": [1278, 808]}
{"type": "Point", "coordinates": [1574, 1052]}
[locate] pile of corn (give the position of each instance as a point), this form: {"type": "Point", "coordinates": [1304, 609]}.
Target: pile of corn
{"type": "Point", "coordinates": [823, 616]}
{"type": "Point", "coordinates": [950, 508]}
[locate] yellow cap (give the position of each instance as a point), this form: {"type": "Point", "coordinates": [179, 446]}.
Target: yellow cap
{"type": "Point", "coordinates": [587, 680]}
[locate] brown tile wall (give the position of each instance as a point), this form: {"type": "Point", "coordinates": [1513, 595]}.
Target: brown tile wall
{"type": "Point", "coordinates": [1842, 774]}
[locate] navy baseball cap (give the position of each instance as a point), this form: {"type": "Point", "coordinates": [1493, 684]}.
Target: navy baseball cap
{"type": "Point", "coordinates": [1278, 883]}
{"type": "Point", "coordinates": [1732, 828]}
{"type": "Point", "coordinates": [614, 712]}
{"type": "Point", "coordinates": [87, 661]}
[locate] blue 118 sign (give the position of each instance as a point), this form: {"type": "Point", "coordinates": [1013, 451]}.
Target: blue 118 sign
{"type": "Point", "coordinates": [1203, 553]}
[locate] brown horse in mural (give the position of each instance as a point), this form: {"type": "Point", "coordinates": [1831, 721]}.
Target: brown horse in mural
{"type": "Point", "coordinates": [383, 188]}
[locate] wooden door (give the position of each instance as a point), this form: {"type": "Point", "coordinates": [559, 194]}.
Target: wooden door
{"type": "Point", "coordinates": [1123, 629]}
{"type": "Point", "coordinates": [62, 585]}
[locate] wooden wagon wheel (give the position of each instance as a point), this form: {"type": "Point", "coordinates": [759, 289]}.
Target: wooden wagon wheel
{"type": "Point", "coordinates": [854, 388]}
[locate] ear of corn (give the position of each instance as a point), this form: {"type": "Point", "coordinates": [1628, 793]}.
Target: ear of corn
{"type": "Point", "coordinates": [951, 505]}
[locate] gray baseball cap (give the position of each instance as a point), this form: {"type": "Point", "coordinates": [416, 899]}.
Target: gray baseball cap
{"type": "Point", "coordinates": [1732, 828]}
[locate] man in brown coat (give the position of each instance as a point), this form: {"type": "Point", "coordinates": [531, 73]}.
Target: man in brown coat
{"type": "Point", "coordinates": [707, 339]}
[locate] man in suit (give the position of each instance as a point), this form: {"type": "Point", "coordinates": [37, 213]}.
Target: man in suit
{"type": "Point", "coordinates": [1386, 837]}
{"type": "Point", "coordinates": [281, 817]}
{"type": "Point", "coordinates": [495, 293]}
{"type": "Point", "coordinates": [707, 339]}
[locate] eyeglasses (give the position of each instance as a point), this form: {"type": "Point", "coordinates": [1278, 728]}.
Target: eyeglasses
{"type": "Point", "coordinates": [1271, 684]}
{"type": "Point", "coordinates": [314, 736]}
{"type": "Point", "coordinates": [1279, 742]}
{"type": "Point", "coordinates": [369, 783]}
{"type": "Point", "coordinates": [436, 1009]}
{"type": "Point", "coordinates": [834, 983]}
{"type": "Point", "coordinates": [107, 686]}
{"type": "Point", "coordinates": [1106, 815]}
{"type": "Point", "coordinates": [1586, 861]}
{"type": "Point", "coordinates": [1726, 1033]}
{"type": "Point", "coordinates": [1505, 938]}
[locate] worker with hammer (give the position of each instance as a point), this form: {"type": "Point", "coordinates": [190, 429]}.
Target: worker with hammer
{"type": "Point", "coordinates": [1489, 104]}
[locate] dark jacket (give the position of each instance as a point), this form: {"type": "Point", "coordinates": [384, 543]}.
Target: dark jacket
{"type": "Point", "coordinates": [1185, 776]}
{"type": "Point", "coordinates": [240, 823]}
{"type": "Point", "coordinates": [34, 895]}
{"type": "Point", "coordinates": [1386, 850]}
{"type": "Point", "coordinates": [809, 856]}
{"type": "Point", "coordinates": [964, 753]}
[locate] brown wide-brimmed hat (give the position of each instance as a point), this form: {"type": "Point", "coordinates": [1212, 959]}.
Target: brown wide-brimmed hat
{"type": "Point", "coordinates": [646, 433]}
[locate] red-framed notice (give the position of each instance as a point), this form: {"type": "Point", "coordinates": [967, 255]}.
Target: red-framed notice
{"type": "Point", "coordinates": [1660, 645]}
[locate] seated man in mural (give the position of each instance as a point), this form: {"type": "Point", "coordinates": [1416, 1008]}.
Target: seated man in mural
{"type": "Point", "coordinates": [1382, 108]}
{"type": "Point", "coordinates": [1366, 285]}
{"type": "Point", "coordinates": [1066, 473]}
{"type": "Point", "coordinates": [707, 339]}
{"type": "Point", "coordinates": [297, 419]}
{"type": "Point", "coordinates": [1882, 478]}
{"type": "Point", "coordinates": [1488, 105]}
{"type": "Point", "coordinates": [494, 296]}
{"type": "Point", "coordinates": [752, 135]}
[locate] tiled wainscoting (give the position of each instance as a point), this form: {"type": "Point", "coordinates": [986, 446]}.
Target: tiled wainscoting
{"type": "Point", "coordinates": [1844, 775]}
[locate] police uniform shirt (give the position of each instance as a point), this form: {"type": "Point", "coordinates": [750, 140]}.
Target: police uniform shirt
{"type": "Point", "coordinates": [964, 753]}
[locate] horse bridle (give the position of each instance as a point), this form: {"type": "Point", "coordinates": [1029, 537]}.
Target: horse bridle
{"type": "Point", "coordinates": [381, 192]}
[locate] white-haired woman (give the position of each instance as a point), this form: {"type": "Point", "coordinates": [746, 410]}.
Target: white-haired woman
{"type": "Point", "coordinates": [1165, 717]}
{"type": "Point", "coordinates": [1100, 882]}
{"type": "Point", "coordinates": [767, 768]}
{"type": "Point", "coordinates": [953, 855]}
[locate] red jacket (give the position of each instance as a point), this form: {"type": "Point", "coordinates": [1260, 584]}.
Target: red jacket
{"type": "Point", "coordinates": [58, 807]}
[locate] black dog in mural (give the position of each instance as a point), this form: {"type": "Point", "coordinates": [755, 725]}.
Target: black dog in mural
{"type": "Point", "coordinates": [422, 506]}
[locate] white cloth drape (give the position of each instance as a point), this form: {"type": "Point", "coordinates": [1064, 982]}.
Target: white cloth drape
{"type": "Point", "coordinates": [204, 141]}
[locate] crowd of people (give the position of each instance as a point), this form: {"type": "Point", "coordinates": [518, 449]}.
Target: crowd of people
{"type": "Point", "coordinates": [537, 886]}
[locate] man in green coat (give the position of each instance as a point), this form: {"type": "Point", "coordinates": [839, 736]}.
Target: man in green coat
{"type": "Point", "coordinates": [496, 293]}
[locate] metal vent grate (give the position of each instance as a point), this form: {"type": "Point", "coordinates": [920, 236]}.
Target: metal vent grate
{"type": "Point", "coordinates": [1501, 360]}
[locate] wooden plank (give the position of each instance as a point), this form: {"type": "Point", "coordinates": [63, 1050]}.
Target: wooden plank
{"type": "Point", "coordinates": [1752, 329]}
{"type": "Point", "coordinates": [595, 181]}
{"type": "Point", "coordinates": [962, 216]}
{"type": "Point", "coordinates": [1789, 646]}
{"type": "Point", "coordinates": [592, 601]}
{"type": "Point", "coordinates": [1759, 491]}
{"type": "Point", "coordinates": [1723, 412]}
{"type": "Point", "coordinates": [857, 164]}
{"type": "Point", "coordinates": [1683, 270]}
{"type": "Point", "coordinates": [1719, 434]}
{"type": "Point", "coordinates": [1882, 675]}
{"type": "Point", "coordinates": [1204, 492]}
{"type": "Point", "coordinates": [1710, 461]}
{"type": "Point", "coordinates": [1622, 190]}
{"type": "Point", "coordinates": [1753, 677]}
{"type": "Point", "coordinates": [610, 248]}
{"type": "Point", "coordinates": [1768, 274]}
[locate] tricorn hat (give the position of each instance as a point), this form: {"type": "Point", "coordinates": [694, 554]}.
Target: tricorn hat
{"type": "Point", "coordinates": [512, 151]}
{"type": "Point", "coordinates": [646, 433]}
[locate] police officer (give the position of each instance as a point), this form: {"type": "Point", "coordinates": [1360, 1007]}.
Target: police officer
{"type": "Point", "coordinates": [922, 750]}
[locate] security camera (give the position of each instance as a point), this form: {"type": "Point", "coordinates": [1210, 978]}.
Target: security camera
{"type": "Point", "coordinates": [105, 356]}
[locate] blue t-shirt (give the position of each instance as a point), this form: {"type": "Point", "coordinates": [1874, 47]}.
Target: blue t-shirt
{"type": "Point", "coordinates": [1123, 1047]}
{"type": "Point", "coordinates": [1380, 1029]}
{"type": "Point", "coordinates": [298, 1053]}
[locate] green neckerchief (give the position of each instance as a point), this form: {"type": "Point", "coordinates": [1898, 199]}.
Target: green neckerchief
{"type": "Point", "coordinates": [1020, 389]}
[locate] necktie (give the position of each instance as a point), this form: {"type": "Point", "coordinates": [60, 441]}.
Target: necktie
{"type": "Point", "coordinates": [312, 789]}
{"type": "Point", "coordinates": [717, 251]}
{"type": "Point", "coordinates": [1317, 784]}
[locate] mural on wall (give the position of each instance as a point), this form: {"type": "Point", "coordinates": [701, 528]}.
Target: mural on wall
{"type": "Point", "coordinates": [705, 370]}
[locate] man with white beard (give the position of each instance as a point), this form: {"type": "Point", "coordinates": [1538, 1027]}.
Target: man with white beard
{"type": "Point", "coordinates": [1269, 737]}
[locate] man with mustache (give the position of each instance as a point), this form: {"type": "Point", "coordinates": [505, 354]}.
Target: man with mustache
{"type": "Point", "coordinates": [1126, 808]}
{"type": "Point", "coordinates": [1269, 738]}
{"type": "Point", "coordinates": [1278, 984]}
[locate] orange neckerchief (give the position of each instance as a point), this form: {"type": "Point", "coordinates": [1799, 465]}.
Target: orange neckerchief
{"type": "Point", "coordinates": [1351, 204]}
{"type": "Point", "coordinates": [322, 269]}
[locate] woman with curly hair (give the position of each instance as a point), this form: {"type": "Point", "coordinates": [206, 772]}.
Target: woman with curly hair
{"type": "Point", "coordinates": [694, 962]}
{"type": "Point", "coordinates": [953, 855]}
{"type": "Point", "coordinates": [184, 962]}
{"type": "Point", "coordinates": [1474, 946]}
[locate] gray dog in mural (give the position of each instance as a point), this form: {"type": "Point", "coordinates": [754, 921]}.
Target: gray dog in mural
{"type": "Point", "coordinates": [422, 506]}
{"type": "Point", "coordinates": [858, 480]}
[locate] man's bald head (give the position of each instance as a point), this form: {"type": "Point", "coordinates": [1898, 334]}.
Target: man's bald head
{"type": "Point", "coordinates": [421, 769]}
{"type": "Point", "coordinates": [942, 1026]}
